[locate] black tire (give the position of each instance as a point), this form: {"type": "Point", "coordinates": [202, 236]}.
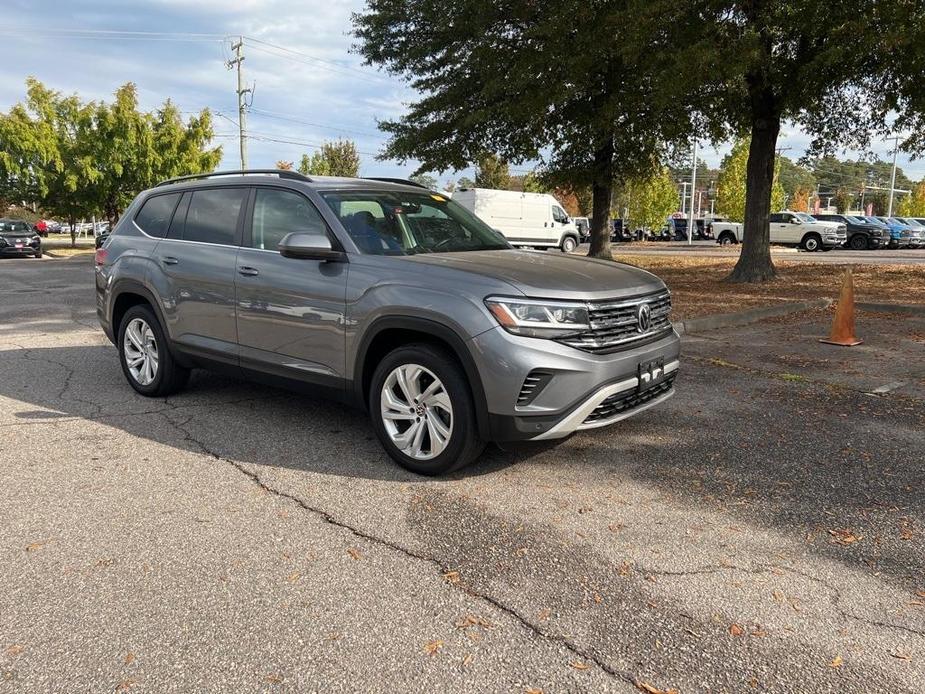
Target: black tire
{"type": "Point", "coordinates": [464, 444]}
{"type": "Point", "coordinates": [569, 244]}
{"type": "Point", "coordinates": [858, 242]}
{"type": "Point", "coordinates": [38, 254]}
{"type": "Point", "coordinates": [812, 243]}
{"type": "Point", "coordinates": [170, 376]}
{"type": "Point", "coordinates": [726, 240]}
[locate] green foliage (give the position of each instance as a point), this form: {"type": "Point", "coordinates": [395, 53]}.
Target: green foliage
{"type": "Point", "coordinates": [82, 159]}
{"type": "Point", "coordinates": [730, 186]}
{"type": "Point", "coordinates": [794, 178]}
{"type": "Point", "coordinates": [425, 180]}
{"type": "Point", "coordinates": [532, 183]}
{"type": "Point", "coordinates": [492, 172]}
{"type": "Point", "coordinates": [338, 158]}
{"type": "Point", "coordinates": [649, 200]}
{"type": "Point", "coordinates": [843, 200]}
{"type": "Point", "coordinates": [914, 205]}
{"type": "Point", "coordinates": [465, 182]}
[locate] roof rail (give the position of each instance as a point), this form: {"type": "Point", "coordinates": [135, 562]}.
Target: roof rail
{"type": "Point", "coordinates": [402, 181]}
{"type": "Point", "coordinates": [282, 173]}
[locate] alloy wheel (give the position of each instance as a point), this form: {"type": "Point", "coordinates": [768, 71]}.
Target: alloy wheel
{"type": "Point", "coordinates": [141, 354]}
{"type": "Point", "coordinates": [416, 411]}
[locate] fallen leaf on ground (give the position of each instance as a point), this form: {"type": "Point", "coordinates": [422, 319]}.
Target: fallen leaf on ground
{"type": "Point", "coordinates": [900, 656]}
{"type": "Point", "coordinates": [451, 576]}
{"type": "Point", "coordinates": [471, 620]}
{"type": "Point", "coordinates": [578, 665]}
{"type": "Point", "coordinates": [126, 684]}
{"type": "Point", "coordinates": [293, 577]}
{"type": "Point", "coordinates": [34, 546]}
{"type": "Point", "coordinates": [15, 650]}
{"type": "Point", "coordinates": [836, 662]}
{"type": "Point", "coordinates": [432, 647]}
{"type": "Point", "coordinates": [468, 660]}
{"type": "Point", "coordinates": [354, 552]}
{"type": "Point", "coordinates": [273, 678]}
{"type": "Point", "coordinates": [129, 658]}
{"type": "Point", "coordinates": [533, 690]}
{"type": "Point", "coordinates": [736, 630]}
{"type": "Point", "coordinates": [843, 536]}
{"type": "Point", "coordinates": [920, 593]}
{"type": "Point", "coordinates": [544, 614]}
{"type": "Point", "coordinates": [778, 595]}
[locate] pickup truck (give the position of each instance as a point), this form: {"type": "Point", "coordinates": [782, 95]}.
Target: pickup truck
{"type": "Point", "coordinates": [789, 229]}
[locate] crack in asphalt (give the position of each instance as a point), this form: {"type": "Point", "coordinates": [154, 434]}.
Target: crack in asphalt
{"type": "Point", "coordinates": [327, 517]}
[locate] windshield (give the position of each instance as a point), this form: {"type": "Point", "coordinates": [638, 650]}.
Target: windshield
{"type": "Point", "coordinates": [909, 222]}
{"type": "Point", "coordinates": [805, 217]}
{"type": "Point", "coordinates": [855, 220]}
{"type": "Point", "coordinates": [404, 223]}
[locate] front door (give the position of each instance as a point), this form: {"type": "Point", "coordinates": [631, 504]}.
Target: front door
{"type": "Point", "coordinates": [197, 263]}
{"type": "Point", "coordinates": [290, 311]}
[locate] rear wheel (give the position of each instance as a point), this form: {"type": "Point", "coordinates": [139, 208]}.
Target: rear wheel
{"type": "Point", "coordinates": [725, 240]}
{"type": "Point", "coordinates": [146, 360]}
{"type": "Point", "coordinates": [422, 410]}
{"type": "Point", "coordinates": [812, 242]}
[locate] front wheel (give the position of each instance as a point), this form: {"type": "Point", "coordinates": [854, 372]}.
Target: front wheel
{"type": "Point", "coordinates": [569, 244]}
{"type": "Point", "coordinates": [858, 242]}
{"type": "Point", "coordinates": [812, 243]}
{"type": "Point", "coordinates": [422, 410]}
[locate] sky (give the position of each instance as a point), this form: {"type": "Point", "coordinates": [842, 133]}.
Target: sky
{"type": "Point", "coordinates": [308, 85]}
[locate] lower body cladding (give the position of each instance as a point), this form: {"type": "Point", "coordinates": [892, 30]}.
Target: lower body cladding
{"type": "Point", "coordinates": [538, 390]}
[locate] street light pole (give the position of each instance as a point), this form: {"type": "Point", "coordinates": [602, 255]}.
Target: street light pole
{"type": "Point", "coordinates": [889, 212]}
{"type": "Point", "coordinates": [690, 217]}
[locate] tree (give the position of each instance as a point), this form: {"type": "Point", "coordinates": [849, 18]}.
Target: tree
{"type": "Point", "coordinates": [425, 180]}
{"type": "Point", "coordinates": [914, 205]}
{"type": "Point", "coordinates": [465, 182]}
{"type": "Point", "coordinates": [651, 199]}
{"type": "Point", "coordinates": [492, 172]}
{"type": "Point", "coordinates": [731, 193]}
{"type": "Point", "coordinates": [746, 66]}
{"type": "Point", "coordinates": [283, 165]}
{"type": "Point", "coordinates": [843, 200]}
{"type": "Point", "coordinates": [81, 159]}
{"type": "Point", "coordinates": [541, 81]}
{"type": "Point", "coordinates": [797, 181]}
{"type": "Point", "coordinates": [338, 158]}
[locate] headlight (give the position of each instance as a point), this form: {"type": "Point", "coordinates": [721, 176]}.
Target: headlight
{"type": "Point", "coordinates": [536, 318]}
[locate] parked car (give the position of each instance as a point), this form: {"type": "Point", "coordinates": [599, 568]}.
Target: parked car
{"type": "Point", "coordinates": [900, 234]}
{"type": "Point", "coordinates": [18, 238]}
{"type": "Point", "coordinates": [619, 231]}
{"type": "Point", "coordinates": [790, 228]}
{"type": "Point", "coordinates": [101, 239]}
{"type": "Point", "coordinates": [525, 219]}
{"type": "Point", "coordinates": [861, 233]}
{"type": "Point", "coordinates": [45, 226]}
{"type": "Point", "coordinates": [444, 332]}
{"type": "Point", "coordinates": [917, 238]}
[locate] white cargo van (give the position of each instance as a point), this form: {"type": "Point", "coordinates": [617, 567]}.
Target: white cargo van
{"type": "Point", "coordinates": [525, 219]}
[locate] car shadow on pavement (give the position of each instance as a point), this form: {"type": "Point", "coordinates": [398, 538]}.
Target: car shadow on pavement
{"type": "Point", "coordinates": [779, 455]}
{"type": "Point", "coordinates": [228, 418]}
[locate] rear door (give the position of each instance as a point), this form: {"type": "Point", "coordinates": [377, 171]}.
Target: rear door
{"type": "Point", "coordinates": [290, 311]}
{"type": "Point", "coordinates": [197, 267]}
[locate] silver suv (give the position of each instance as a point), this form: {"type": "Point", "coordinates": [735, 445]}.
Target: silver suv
{"type": "Point", "coordinates": [385, 295]}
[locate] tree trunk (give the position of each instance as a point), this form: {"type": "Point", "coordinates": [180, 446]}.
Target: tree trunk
{"type": "Point", "coordinates": [755, 263]}
{"type": "Point", "coordinates": [601, 199]}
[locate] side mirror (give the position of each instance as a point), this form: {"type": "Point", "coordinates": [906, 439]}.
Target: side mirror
{"type": "Point", "coordinates": [309, 246]}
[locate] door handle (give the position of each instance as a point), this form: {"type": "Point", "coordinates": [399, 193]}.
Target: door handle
{"type": "Point", "coordinates": [248, 271]}
{"type": "Point", "coordinates": [169, 260]}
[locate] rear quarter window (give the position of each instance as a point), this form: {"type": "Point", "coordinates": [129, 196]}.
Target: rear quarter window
{"type": "Point", "coordinates": [154, 216]}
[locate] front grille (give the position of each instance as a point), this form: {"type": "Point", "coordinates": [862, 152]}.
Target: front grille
{"type": "Point", "coordinates": [621, 402]}
{"type": "Point", "coordinates": [615, 324]}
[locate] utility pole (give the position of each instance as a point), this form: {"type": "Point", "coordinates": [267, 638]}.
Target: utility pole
{"type": "Point", "coordinates": [236, 63]}
{"type": "Point", "coordinates": [690, 217]}
{"type": "Point", "coordinates": [889, 212]}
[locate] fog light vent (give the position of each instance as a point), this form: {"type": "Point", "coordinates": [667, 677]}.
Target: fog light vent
{"type": "Point", "coordinates": [533, 385]}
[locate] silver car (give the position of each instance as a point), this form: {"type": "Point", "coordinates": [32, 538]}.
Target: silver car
{"type": "Point", "coordinates": [385, 295]}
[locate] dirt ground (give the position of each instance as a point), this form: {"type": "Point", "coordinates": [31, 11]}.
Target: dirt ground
{"type": "Point", "coordinates": [698, 288]}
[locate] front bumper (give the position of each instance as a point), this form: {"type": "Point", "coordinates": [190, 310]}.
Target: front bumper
{"type": "Point", "coordinates": [13, 252]}
{"type": "Point", "coordinates": [575, 384]}
{"type": "Point", "coordinates": [834, 241]}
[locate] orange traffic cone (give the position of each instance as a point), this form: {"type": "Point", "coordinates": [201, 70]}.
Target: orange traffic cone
{"type": "Point", "coordinates": [843, 325]}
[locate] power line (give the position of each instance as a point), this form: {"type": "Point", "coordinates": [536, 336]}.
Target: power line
{"type": "Point", "coordinates": [31, 32]}
{"type": "Point", "coordinates": [292, 53]}
{"type": "Point", "coordinates": [292, 119]}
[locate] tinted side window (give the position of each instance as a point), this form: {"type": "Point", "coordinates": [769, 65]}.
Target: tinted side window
{"type": "Point", "coordinates": [213, 215]}
{"type": "Point", "coordinates": [559, 214]}
{"type": "Point", "coordinates": [154, 216]}
{"type": "Point", "coordinates": [776, 218]}
{"type": "Point", "coordinates": [280, 212]}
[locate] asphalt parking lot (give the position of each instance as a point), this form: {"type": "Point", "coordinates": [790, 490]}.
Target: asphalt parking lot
{"type": "Point", "coordinates": [762, 531]}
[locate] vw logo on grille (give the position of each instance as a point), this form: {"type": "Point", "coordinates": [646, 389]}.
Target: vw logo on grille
{"type": "Point", "coordinates": [643, 318]}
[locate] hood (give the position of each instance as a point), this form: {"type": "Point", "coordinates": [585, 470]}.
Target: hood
{"type": "Point", "coordinates": [550, 275]}
{"type": "Point", "coordinates": [18, 235]}
{"type": "Point", "coordinates": [833, 225]}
